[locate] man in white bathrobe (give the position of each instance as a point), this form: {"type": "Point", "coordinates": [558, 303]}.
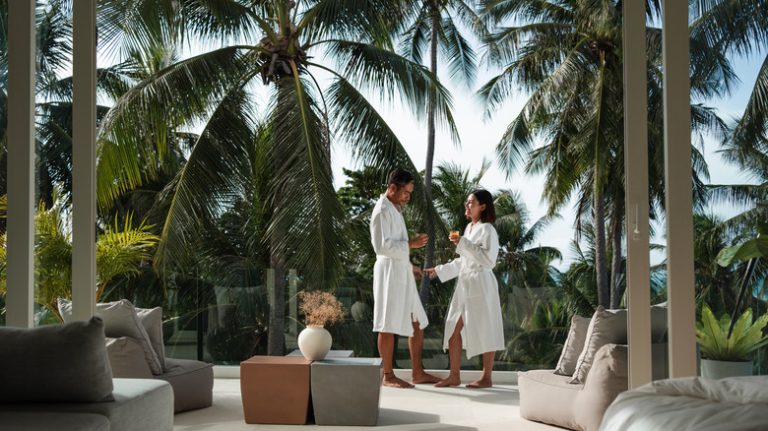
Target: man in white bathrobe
{"type": "Point", "coordinates": [397, 307]}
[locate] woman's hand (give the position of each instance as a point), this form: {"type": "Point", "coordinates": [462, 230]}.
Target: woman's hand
{"type": "Point", "coordinates": [430, 272]}
{"type": "Point", "coordinates": [455, 239]}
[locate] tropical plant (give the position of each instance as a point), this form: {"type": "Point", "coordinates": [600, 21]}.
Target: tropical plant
{"type": "Point", "coordinates": [567, 55]}
{"type": "Point", "coordinates": [281, 41]}
{"type": "Point", "coordinates": [120, 251]}
{"type": "Point", "coordinates": [437, 25]}
{"type": "Point", "coordinates": [716, 344]}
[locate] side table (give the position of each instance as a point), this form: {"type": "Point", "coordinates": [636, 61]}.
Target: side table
{"type": "Point", "coordinates": [275, 389]}
{"type": "Point", "coordinates": [346, 391]}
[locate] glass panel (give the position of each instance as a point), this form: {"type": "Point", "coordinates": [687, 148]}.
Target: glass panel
{"type": "Point", "coordinates": [3, 151]}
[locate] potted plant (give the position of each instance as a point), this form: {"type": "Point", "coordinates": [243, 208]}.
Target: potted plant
{"type": "Point", "coordinates": [725, 355]}
{"type": "Point", "coordinates": [319, 309]}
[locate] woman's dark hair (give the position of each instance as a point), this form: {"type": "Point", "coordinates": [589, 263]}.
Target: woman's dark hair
{"type": "Point", "coordinates": [484, 197]}
{"type": "Point", "coordinates": [400, 178]}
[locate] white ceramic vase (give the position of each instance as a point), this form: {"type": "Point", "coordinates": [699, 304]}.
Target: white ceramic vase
{"type": "Point", "coordinates": [314, 342]}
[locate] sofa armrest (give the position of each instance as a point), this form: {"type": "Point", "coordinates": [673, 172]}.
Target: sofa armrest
{"type": "Point", "coordinates": [126, 357]}
{"type": "Point", "coordinates": [605, 381]}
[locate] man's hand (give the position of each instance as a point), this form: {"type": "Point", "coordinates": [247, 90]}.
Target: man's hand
{"type": "Point", "coordinates": [419, 241]}
{"type": "Point", "coordinates": [417, 271]}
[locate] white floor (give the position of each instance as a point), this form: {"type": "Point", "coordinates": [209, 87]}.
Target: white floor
{"type": "Point", "coordinates": [419, 409]}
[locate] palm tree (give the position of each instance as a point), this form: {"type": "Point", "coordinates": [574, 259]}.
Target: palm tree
{"type": "Point", "coordinates": [566, 55]}
{"type": "Point", "coordinates": [740, 27]}
{"type": "Point", "coordinates": [522, 263]}
{"type": "Point", "coordinates": [277, 44]}
{"type": "Point", "coordinates": [436, 25]}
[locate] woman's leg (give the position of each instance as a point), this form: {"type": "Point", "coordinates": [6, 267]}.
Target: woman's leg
{"type": "Point", "coordinates": [454, 356]}
{"type": "Point", "coordinates": [485, 379]}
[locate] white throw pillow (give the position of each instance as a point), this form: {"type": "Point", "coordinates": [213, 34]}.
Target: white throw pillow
{"type": "Point", "coordinates": [574, 344]}
{"type": "Point", "coordinates": [606, 326]}
{"type": "Point", "coordinates": [152, 320]}
{"type": "Point", "coordinates": [120, 320]}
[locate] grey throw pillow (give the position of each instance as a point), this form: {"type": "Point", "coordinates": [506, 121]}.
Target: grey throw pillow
{"type": "Point", "coordinates": [55, 363]}
{"type": "Point", "coordinates": [573, 346]}
{"type": "Point", "coordinates": [152, 321]}
{"type": "Point", "coordinates": [606, 326]}
{"type": "Point", "coordinates": [120, 320]}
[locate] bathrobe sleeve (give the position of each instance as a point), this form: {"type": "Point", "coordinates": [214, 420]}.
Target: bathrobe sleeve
{"type": "Point", "coordinates": [483, 250]}
{"type": "Point", "coordinates": [449, 270]}
{"type": "Point", "coordinates": [383, 230]}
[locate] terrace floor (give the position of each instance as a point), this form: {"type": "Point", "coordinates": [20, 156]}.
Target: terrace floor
{"type": "Point", "coordinates": [420, 409]}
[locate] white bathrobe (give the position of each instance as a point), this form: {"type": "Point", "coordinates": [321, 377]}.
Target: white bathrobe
{"type": "Point", "coordinates": [476, 298]}
{"type": "Point", "coordinates": [396, 300]}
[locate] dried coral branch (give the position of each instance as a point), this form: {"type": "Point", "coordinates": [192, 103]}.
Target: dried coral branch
{"type": "Point", "coordinates": [320, 308]}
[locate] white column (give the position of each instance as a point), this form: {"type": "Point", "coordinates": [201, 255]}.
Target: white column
{"type": "Point", "coordinates": [84, 160]}
{"type": "Point", "coordinates": [678, 185]}
{"type": "Point", "coordinates": [21, 163]}
{"type": "Point", "coordinates": [636, 194]}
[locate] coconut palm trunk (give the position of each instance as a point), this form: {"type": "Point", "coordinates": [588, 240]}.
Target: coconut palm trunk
{"type": "Point", "coordinates": [276, 334]}
{"type": "Point", "coordinates": [429, 254]}
{"type": "Point", "coordinates": [603, 292]}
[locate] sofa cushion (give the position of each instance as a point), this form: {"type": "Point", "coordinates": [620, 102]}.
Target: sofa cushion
{"type": "Point", "coordinates": [52, 421]}
{"type": "Point", "coordinates": [126, 357]}
{"type": "Point", "coordinates": [55, 363]}
{"type": "Point", "coordinates": [573, 346]}
{"type": "Point", "coordinates": [606, 326]}
{"type": "Point", "coordinates": [192, 383]}
{"type": "Point", "coordinates": [139, 405]}
{"type": "Point", "coordinates": [606, 380]}
{"type": "Point", "coordinates": [547, 397]}
{"type": "Point", "coordinates": [152, 321]}
{"type": "Point", "coordinates": [120, 319]}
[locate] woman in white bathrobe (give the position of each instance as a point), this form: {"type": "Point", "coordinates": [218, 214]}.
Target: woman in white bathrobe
{"type": "Point", "coordinates": [474, 316]}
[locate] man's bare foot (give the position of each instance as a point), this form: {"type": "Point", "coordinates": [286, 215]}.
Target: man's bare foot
{"type": "Point", "coordinates": [422, 377]}
{"type": "Point", "coordinates": [479, 384]}
{"type": "Point", "coordinates": [393, 382]}
{"type": "Point", "coordinates": [448, 382]}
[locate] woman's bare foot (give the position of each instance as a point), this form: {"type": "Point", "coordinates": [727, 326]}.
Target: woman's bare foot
{"type": "Point", "coordinates": [422, 377]}
{"type": "Point", "coordinates": [479, 384]}
{"type": "Point", "coordinates": [393, 382]}
{"type": "Point", "coordinates": [448, 382]}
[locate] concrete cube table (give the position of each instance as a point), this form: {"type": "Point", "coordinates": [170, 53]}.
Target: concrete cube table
{"type": "Point", "coordinates": [275, 389]}
{"type": "Point", "coordinates": [346, 391]}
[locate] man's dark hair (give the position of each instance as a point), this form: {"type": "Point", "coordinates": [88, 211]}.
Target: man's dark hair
{"type": "Point", "coordinates": [484, 197]}
{"type": "Point", "coordinates": [400, 178]}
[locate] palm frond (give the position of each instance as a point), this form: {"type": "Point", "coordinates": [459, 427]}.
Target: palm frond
{"type": "Point", "coordinates": [305, 228]}
{"type": "Point", "coordinates": [213, 177]}
{"type": "Point", "coordinates": [390, 75]}
{"type": "Point", "coordinates": [134, 133]}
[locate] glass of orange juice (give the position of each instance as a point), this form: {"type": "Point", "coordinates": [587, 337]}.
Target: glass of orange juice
{"type": "Point", "coordinates": [453, 235]}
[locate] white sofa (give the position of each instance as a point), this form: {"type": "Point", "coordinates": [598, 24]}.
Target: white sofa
{"type": "Point", "coordinates": [692, 403]}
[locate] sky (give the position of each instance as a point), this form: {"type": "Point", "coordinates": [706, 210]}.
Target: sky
{"type": "Point", "coordinates": [479, 137]}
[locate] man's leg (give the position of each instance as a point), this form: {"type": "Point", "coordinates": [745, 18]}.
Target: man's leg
{"type": "Point", "coordinates": [416, 345]}
{"type": "Point", "coordinates": [485, 379]}
{"type": "Point", "coordinates": [386, 344]}
{"type": "Point", "coordinates": [454, 356]}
